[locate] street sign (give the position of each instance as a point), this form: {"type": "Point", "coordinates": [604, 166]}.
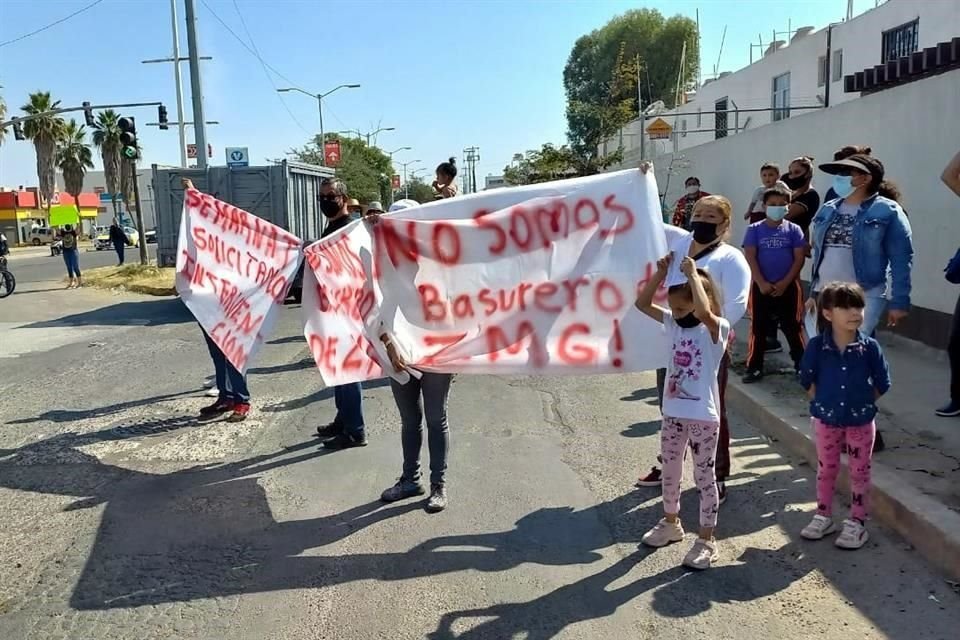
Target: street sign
{"type": "Point", "coordinates": [192, 150]}
{"type": "Point", "coordinates": [396, 181]}
{"type": "Point", "coordinates": [659, 129]}
{"type": "Point", "coordinates": [237, 157]}
{"type": "Point", "coordinates": [331, 152]}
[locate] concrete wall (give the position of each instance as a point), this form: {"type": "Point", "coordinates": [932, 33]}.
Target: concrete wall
{"type": "Point", "coordinates": [909, 129]}
{"type": "Point", "coordinates": [860, 40]}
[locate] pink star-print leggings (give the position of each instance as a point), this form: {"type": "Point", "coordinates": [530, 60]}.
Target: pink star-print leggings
{"type": "Point", "coordinates": [859, 447]}
{"type": "Point", "coordinates": [702, 436]}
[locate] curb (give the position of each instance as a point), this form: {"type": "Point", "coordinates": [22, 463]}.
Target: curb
{"type": "Point", "coordinates": [932, 528]}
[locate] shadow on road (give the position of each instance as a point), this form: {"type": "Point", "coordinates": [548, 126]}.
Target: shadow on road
{"type": "Point", "coordinates": [64, 415]}
{"type": "Point", "coordinates": [321, 394]}
{"type": "Point", "coordinates": [142, 312]}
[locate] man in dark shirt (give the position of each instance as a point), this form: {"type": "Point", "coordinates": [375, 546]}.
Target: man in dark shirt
{"type": "Point", "coordinates": [347, 428]}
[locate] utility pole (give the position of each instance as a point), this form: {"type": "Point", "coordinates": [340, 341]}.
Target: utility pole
{"type": "Point", "coordinates": [136, 198]}
{"type": "Point", "coordinates": [196, 88]}
{"type": "Point", "coordinates": [471, 156]}
{"type": "Point", "coordinates": [179, 82]}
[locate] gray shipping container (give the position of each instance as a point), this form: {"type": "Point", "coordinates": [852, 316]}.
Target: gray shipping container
{"type": "Point", "coordinates": [284, 193]}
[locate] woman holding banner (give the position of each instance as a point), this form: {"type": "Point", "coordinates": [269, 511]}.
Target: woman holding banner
{"type": "Point", "coordinates": [710, 222]}
{"type": "Point", "coordinates": [434, 388]}
{"type": "Point", "coordinates": [233, 397]}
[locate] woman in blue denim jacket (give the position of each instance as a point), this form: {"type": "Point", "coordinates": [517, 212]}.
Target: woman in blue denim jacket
{"type": "Point", "coordinates": [861, 237]}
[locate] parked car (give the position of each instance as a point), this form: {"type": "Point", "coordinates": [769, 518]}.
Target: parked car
{"type": "Point", "coordinates": [150, 236]}
{"type": "Point", "coordinates": [133, 236]}
{"type": "Point", "coordinates": [42, 235]}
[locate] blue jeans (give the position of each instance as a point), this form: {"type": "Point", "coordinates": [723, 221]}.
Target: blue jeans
{"type": "Point", "coordinates": [231, 383]}
{"type": "Point", "coordinates": [349, 402]}
{"type": "Point", "coordinates": [435, 388]}
{"type": "Point", "coordinates": [873, 314]}
{"type": "Point", "coordinates": [72, 259]}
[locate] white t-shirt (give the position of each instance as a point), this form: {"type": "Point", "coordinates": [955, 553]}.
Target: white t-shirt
{"type": "Point", "coordinates": [837, 262]}
{"type": "Point", "coordinates": [691, 391]}
{"type": "Point", "coordinates": [756, 201]}
{"type": "Point", "coordinates": [725, 264]}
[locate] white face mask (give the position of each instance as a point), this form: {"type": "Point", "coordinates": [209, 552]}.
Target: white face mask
{"type": "Point", "coordinates": [693, 189]}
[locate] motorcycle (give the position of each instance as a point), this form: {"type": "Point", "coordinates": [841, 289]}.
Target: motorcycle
{"type": "Point", "coordinates": [56, 248]}
{"type": "Point", "coordinates": [7, 282]}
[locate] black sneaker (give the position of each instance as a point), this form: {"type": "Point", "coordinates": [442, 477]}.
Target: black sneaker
{"type": "Point", "coordinates": [218, 408]}
{"type": "Point", "coordinates": [878, 443]}
{"type": "Point", "coordinates": [345, 441]}
{"type": "Point", "coordinates": [438, 499]}
{"type": "Point", "coordinates": [949, 410]}
{"type": "Point", "coordinates": [402, 490]}
{"type": "Point", "coordinates": [722, 491]}
{"type": "Point", "coordinates": [752, 376]}
{"type": "Point", "coordinates": [333, 429]}
{"type": "Point", "coordinates": [773, 346]}
{"type": "Point", "coordinates": [652, 479]}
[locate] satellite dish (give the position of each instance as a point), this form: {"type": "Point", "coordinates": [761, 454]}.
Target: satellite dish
{"type": "Point", "coordinates": [654, 109]}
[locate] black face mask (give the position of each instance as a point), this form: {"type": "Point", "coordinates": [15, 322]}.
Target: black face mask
{"type": "Point", "coordinates": [794, 183]}
{"type": "Point", "coordinates": [704, 232]}
{"type": "Point", "coordinates": [688, 321]}
{"type": "Point", "coordinates": [330, 208]}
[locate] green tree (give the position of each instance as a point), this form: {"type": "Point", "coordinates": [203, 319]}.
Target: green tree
{"type": "Point", "coordinates": [365, 170]}
{"type": "Point", "coordinates": [3, 116]}
{"type": "Point", "coordinates": [600, 76]}
{"type": "Point", "coordinates": [74, 158]}
{"type": "Point", "coordinates": [416, 189]}
{"type": "Point", "coordinates": [106, 137]}
{"type": "Point", "coordinates": [543, 165]}
{"type": "Point", "coordinates": [46, 132]}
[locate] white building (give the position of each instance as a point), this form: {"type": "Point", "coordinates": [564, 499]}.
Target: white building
{"type": "Point", "coordinates": [494, 182]}
{"type": "Point", "coordinates": [799, 76]}
{"type": "Point", "coordinates": [96, 182]}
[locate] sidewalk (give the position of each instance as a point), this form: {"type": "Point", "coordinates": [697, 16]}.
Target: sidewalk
{"type": "Point", "coordinates": [917, 478]}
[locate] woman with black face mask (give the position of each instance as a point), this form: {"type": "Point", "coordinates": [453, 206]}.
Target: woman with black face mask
{"type": "Point", "coordinates": [805, 201]}
{"type": "Point", "coordinates": [710, 225]}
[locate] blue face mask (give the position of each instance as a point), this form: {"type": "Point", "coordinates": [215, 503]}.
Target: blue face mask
{"type": "Point", "coordinates": [776, 212]}
{"type": "Point", "coordinates": [842, 186]}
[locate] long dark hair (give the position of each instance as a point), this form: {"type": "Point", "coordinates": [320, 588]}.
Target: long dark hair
{"type": "Point", "coordinates": [709, 286]}
{"type": "Point", "coordinates": [448, 168]}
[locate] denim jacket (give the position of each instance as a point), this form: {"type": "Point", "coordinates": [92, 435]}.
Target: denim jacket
{"type": "Point", "coordinates": [881, 240]}
{"type": "Point", "coordinates": [846, 381]}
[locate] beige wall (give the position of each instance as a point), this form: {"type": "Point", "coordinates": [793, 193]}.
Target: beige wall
{"type": "Point", "coordinates": [913, 129]}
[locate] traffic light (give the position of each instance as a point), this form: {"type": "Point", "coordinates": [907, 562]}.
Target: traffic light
{"type": "Point", "coordinates": [162, 117]}
{"type": "Point", "coordinates": [88, 115]}
{"type": "Point", "coordinates": [128, 137]}
{"type": "Point", "coordinates": [18, 130]}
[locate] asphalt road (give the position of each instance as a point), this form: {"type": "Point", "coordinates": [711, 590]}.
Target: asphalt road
{"type": "Point", "coordinates": [125, 518]}
{"type": "Point", "coordinates": [33, 265]}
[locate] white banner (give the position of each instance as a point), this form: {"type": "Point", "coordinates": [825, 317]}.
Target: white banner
{"type": "Point", "coordinates": [534, 279]}
{"type": "Point", "coordinates": [233, 272]}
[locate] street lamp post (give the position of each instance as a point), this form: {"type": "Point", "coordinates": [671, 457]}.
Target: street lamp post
{"type": "Point", "coordinates": [361, 134]}
{"type": "Point", "coordinates": [406, 189]}
{"type": "Point", "coordinates": [320, 97]}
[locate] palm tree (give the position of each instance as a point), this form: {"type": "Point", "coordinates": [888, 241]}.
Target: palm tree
{"type": "Point", "coordinates": [3, 116]}
{"type": "Point", "coordinates": [46, 132]}
{"type": "Point", "coordinates": [106, 137]}
{"type": "Point", "coordinates": [74, 158]}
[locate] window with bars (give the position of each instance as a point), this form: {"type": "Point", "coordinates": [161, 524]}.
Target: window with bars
{"type": "Point", "coordinates": [781, 97]}
{"type": "Point", "coordinates": [901, 41]}
{"type": "Point", "coordinates": [720, 118]}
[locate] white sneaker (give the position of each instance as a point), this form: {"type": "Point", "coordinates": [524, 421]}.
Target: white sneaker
{"type": "Point", "coordinates": [210, 383]}
{"type": "Point", "coordinates": [212, 392]}
{"type": "Point", "coordinates": [663, 534]}
{"type": "Point", "coordinates": [819, 527]}
{"type": "Point", "coordinates": [702, 554]}
{"type": "Point", "coordinates": [853, 536]}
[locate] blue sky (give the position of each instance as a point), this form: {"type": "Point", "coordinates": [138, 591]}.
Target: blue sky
{"type": "Point", "coordinates": [447, 75]}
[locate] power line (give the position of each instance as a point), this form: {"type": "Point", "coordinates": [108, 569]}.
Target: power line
{"type": "Point", "coordinates": [254, 52]}
{"type": "Point", "coordinates": [52, 24]}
